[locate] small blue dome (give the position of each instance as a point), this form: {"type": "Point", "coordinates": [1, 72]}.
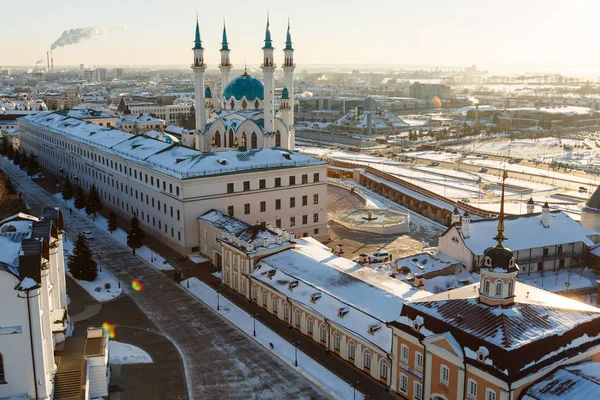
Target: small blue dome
{"type": "Point", "coordinates": [285, 94]}
{"type": "Point", "coordinates": [207, 93]}
{"type": "Point", "coordinates": [245, 85]}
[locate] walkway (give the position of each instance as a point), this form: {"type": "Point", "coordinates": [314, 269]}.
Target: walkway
{"type": "Point", "coordinates": [220, 361]}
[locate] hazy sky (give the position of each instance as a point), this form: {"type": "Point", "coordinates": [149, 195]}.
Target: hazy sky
{"type": "Point", "coordinates": [493, 35]}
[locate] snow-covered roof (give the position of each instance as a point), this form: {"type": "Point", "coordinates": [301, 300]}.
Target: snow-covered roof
{"type": "Point", "coordinates": [424, 263]}
{"type": "Point", "coordinates": [535, 314]}
{"type": "Point", "coordinates": [375, 294]}
{"type": "Point", "coordinates": [141, 118]}
{"type": "Point", "coordinates": [175, 160]}
{"type": "Point", "coordinates": [224, 222]}
{"type": "Point", "coordinates": [527, 232]}
{"type": "Point", "coordinates": [326, 305]}
{"type": "Point", "coordinates": [10, 251]}
{"type": "Point", "coordinates": [579, 381]}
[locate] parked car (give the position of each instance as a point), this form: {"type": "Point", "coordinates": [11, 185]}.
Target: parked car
{"type": "Point", "coordinates": [88, 234]}
{"type": "Point", "coordinates": [583, 189]}
{"type": "Point", "coordinates": [380, 256]}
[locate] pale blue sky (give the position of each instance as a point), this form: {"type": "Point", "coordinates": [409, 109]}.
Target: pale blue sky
{"type": "Point", "coordinates": [434, 32]}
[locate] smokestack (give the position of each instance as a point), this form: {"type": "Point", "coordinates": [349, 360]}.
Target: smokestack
{"type": "Point", "coordinates": [48, 57]}
{"type": "Point", "coordinates": [51, 59]}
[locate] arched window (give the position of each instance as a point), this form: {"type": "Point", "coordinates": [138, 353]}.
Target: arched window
{"type": "Point", "coordinates": [244, 104]}
{"type": "Point", "coordinates": [323, 333]}
{"type": "Point", "coordinates": [286, 311]}
{"type": "Point", "coordinates": [232, 104]}
{"type": "Point", "coordinates": [309, 328]}
{"type": "Point", "coordinates": [217, 139]}
{"type": "Point", "coordinates": [2, 376]}
{"type": "Point", "coordinates": [337, 341]}
{"type": "Point", "coordinates": [486, 286]}
{"type": "Point", "coordinates": [298, 318]}
{"type": "Point", "coordinates": [278, 139]}
{"type": "Point", "coordinates": [351, 350]}
{"type": "Point", "coordinates": [499, 288]}
{"type": "Point", "coordinates": [235, 141]}
{"type": "Point", "coordinates": [256, 104]}
{"type": "Point", "coordinates": [384, 369]}
{"type": "Point", "coordinates": [254, 141]}
{"type": "Point", "coordinates": [243, 140]}
{"type": "Point", "coordinates": [231, 138]}
{"type": "Point", "coordinates": [510, 288]}
{"type": "Point", "coordinates": [367, 359]}
{"type": "Point", "coordinates": [275, 305]}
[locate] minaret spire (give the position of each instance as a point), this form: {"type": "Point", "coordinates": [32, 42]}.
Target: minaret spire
{"type": "Point", "coordinates": [500, 236]}
{"type": "Point", "coordinates": [224, 44]}
{"type": "Point", "coordinates": [288, 38]}
{"type": "Point", "coordinates": [268, 42]}
{"type": "Point", "coordinates": [197, 41]}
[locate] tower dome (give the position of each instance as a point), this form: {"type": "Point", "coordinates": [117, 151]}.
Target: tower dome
{"type": "Point", "coordinates": [244, 86]}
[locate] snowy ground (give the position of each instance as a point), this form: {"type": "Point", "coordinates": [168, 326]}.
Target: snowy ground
{"type": "Point", "coordinates": [123, 353]}
{"type": "Point", "coordinates": [311, 369]}
{"type": "Point", "coordinates": [143, 252]}
{"type": "Point", "coordinates": [553, 282]}
{"type": "Point", "coordinates": [104, 277]}
{"type": "Point", "coordinates": [197, 258]}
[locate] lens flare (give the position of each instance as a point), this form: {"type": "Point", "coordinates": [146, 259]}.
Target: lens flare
{"type": "Point", "coordinates": [437, 102]}
{"type": "Point", "coordinates": [137, 285]}
{"type": "Point", "coordinates": [109, 329]}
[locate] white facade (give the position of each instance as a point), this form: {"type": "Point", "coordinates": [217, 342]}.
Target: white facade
{"type": "Point", "coordinates": [560, 244]}
{"type": "Point", "coordinates": [140, 175]}
{"type": "Point", "coordinates": [30, 309]}
{"type": "Point", "coordinates": [173, 114]}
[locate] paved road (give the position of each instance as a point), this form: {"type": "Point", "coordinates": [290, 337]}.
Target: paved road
{"type": "Point", "coordinates": [220, 361]}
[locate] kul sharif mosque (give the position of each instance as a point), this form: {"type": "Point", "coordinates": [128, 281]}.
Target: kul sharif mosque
{"type": "Point", "coordinates": [244, 116]}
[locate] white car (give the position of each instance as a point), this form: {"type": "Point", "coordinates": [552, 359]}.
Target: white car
{"type": "Point", "coordinates": [88, 234]}
{"type": "Point", "coordinates": [380, 256]}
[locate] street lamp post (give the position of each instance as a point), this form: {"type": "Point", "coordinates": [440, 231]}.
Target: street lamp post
{"type": "Point", "coordinates": [296, 343]}
{"type": "Point", "coordinates": [254, 323]}
{"type": "Point", "coordinates": [354, 385]}
{"type": "Point", "coordinates": [118, 271]}
{"type": "Point", "coordinates": [218, 291]}
{"type": "Point", "coordinates": [100, 261]}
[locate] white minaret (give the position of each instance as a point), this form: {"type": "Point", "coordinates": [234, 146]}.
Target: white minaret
{"type": "Point", "coordinates": [288, 70]}
{"type": "Point", "coordinates": [225, 65]}
{"type": "Point", "coordinates": [199, 67]}
{"type": "Point", "coordinates": [268, 68]}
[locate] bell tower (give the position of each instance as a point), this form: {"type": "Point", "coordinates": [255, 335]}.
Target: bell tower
{"type": "Point", "coordinates": [499, 269]}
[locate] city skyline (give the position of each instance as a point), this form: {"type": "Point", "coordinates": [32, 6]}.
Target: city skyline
{"type": "Point", "coordinates": [324, 34]}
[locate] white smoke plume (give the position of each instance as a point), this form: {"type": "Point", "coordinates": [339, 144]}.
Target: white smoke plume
{"type": "Point", "coordinates": [76, 35]}
{"type": "Point", "coordinates": [473, 101]}
{"type": "Point", "coordinates": [40, 61]}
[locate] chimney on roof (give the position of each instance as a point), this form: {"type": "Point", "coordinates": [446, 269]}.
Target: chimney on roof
{"type": "Point", "coordinates": [455, 216]}
{"type": "Point", "coordinates": [51, 60]}
{"type": "Point", "coordinates": [530, 206]}
{"type": "Point", "coordinates": [466, 225]}
{"type": "Point", "coordinates": [419, 282]}
{"type": "Point", "coordinates": [545, 219]}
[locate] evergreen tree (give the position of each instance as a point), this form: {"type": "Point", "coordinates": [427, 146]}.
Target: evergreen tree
{"type": "Point", "coordinates": [32, 165]}
{"type": "Point", "coordinates": [24, 161]}
{"type": "Point", "coordinates": [81, 263]}
{"type": "Point", "coordinates": [112, 222]}
{"type": "Point", "coordinates": [135, 234]}
{"type": "Point", "coordinates": [93, 202]}
{"type": "Point", "coordinates": [79, 202]}
{"type": "Point", "coordinates": [17, 158]}
{"type": "Point", "coordinates": [67, 191]}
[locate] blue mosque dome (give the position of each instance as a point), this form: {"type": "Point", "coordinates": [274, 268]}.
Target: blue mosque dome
{"type": "Point", "coordinates": [285, 94]}
{"type": "Point", "coordinates": [244, 85]}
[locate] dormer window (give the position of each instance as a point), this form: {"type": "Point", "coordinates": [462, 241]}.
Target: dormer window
{"type": "Point", "coordinates": [343, 311]}
{"type": "Point", "coordinates": [487, 261]}
{"type": "Point", "coordinates": [314, 297]}
{"type": "Point", "coordinates": [482, 354]}
{"type": "Point", "coordinates": [265, 242]}
{"type": "Point", "coordinates": [292, 285]}
{"type": "Point", "coordinates": [374, 328]}
{"type": "Point", "coordinates": [271, 273]}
